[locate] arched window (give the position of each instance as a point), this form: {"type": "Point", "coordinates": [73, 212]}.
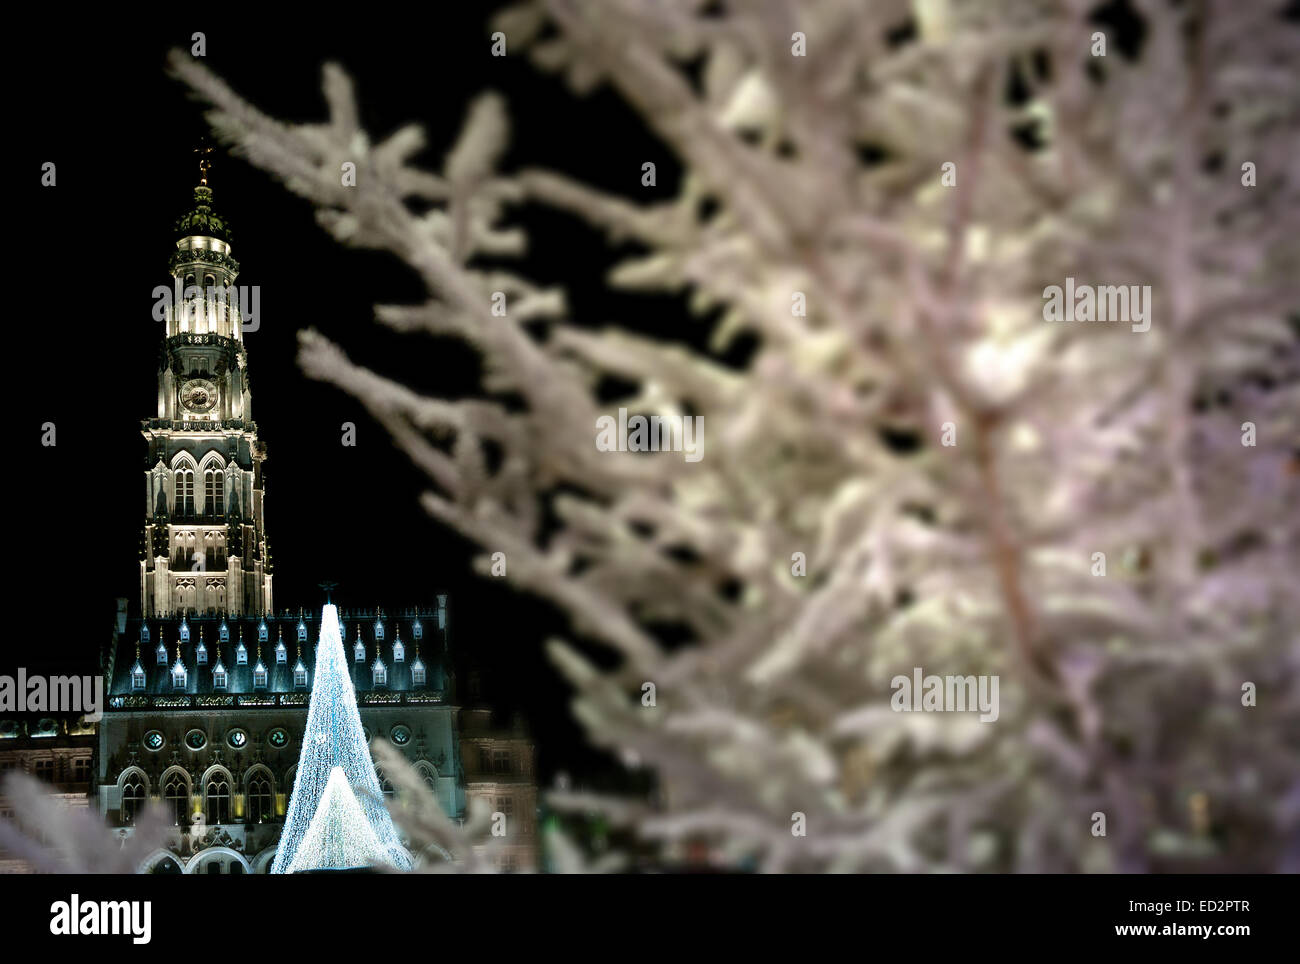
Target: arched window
{"type": "Point", "coordinates": [261, 802]}
{"type": "Point", "coordinates": [185, 493]}
{"type": "Point", "coordinates": [176, 794]}
{"type": "Point", "coordinates": [133, 797]}
{"type": "Point", "coordinates": [429, 777]}
{"type": "Point", "coordinates": [217, 799]}
{"type": "Point", "coordinates": [214, 489]}
{"type": "Point", "coordinates": [385, 784]}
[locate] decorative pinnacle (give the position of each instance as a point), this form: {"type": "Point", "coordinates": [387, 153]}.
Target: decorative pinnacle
{"type": "Point", "coordinates": [205, 165]}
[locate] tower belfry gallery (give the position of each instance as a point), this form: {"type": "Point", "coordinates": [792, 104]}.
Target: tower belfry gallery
{"type": "Point", "coordinates": [208, 687]}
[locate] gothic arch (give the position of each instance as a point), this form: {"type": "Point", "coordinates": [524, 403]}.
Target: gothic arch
{"type": "Point", "coordinates": [136, 771]}
{"type": "Point", "coordinates": [147, 865]}
{"type": "Point", "coordinates": [429, 774]}
{"type": "Point", "coordinates": [262, 862]}
{"type": "Point", "coordinates": [205, 856]}
{"type": "Point", "coordinates": [209, 458]}
{"type": "Point", "coordinates": [214, 778]}
{"type": "Point", "coordinates": [183, 460]}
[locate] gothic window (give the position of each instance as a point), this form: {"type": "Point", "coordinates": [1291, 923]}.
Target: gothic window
{"type": "Point", "coordinates": [185, 631]}
{"type": "Point", "coordinates": [417, 631]}
{"type": "Point", "coordinates": [430, 780]}
{"type": "Point", "coordinates": [259, 676]}
{"type": "Point", "coordinates": [359, 650]}
{"type": "Point", "coordinates": [218, 677]}
{"type": "Point", "coordinates": [379, 629]}
{"type": "Point", "coordinates": [137, 677]}
{"type": "Point", "coordinates": [185, 493]}
{"type": "Point", "coordinates": [262, 631]}
{"type": "Point", "coordinates": [300, 674]}
{"type": "Point", "coordinates": [201, 654]}
{"type": "Point", "coordinates": [176, 795]}
{"type": "Point", "coordinates": [214, 488]}
{"type": "Point", "coordinates": [162, 654]}
{"type": "Point", "coordinates": [281, 654]}
{"type": "Point", "coordinates": [132, 797]}
{"type": "Point", "coordinates": [241, 655]}
{"type": "Point", "coordinates": [217, 794]}
{"type": "Point", "coordinates": [399, 652]}
{"type": "Point", "coordinates": [417, 673]}
{"type": "Point", "coordinates": [302, 631]}
{"type": "Point", "coordinates": [380, 673]}
{"type": "Point", "coordinates": [179, 676]}
{"type": "Point", "coordinates": [225, 632]}
{"type": "Point", "coordinates": [260, 802]}
{"type": "Point", "coordinates": [385, 784]}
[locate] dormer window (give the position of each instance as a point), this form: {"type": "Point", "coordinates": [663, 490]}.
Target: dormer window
{"type": "Point", "coordinates": [201, 654]}
{"type": "Point", "coordinates": [399, 651]}
{"type": "Point", "coordinates": [241, 655]}
{"type": "Point", "coordinates": [179, 675]}
{"type": "Point", "coordinates": [302, 631]}
{"type": "Point", "coordinates": [144, 632]}
{"type": "Point", "coordinates": [299, 673]}
{"type": "Point", "coordinates": [218, 676]}
{"type": "Point", "coordinates": [225, 632]}
{"type": "Point", "coordinates": [162, 654]}
{"type": "Point", "coordinates": [281, 654]}
{"type": "Point", "coordinates": [359, 650]}
{"type": "Point", "coordinates": [137, 677]}
{"type": "Point", "coordinates": [417, 631]}
{"type": "Point", "coordinates": [185, 631]}
{"type": "Point", "coordinates": [259, 676]}
{"type": "Point", "coordinates": [380, 672]}
{"type": "Point", "coordinates": [261, 631]}
{"type": "Point", "coordinates": [417, 672]}
{"type": "Point", "coordinates": [379, 629]}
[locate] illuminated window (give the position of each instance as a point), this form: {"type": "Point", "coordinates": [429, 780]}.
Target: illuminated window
{"type": "Point", "coordinates": [300, 674]}
{"type": "Point", "coordinates": [218, 676]}
{"type": "Point", "coordinates": [281, 654]}
{"type": "Point", "coordinates": [214, 488]}
{"type": "Point", "coordinates": [162, 654]}
{"type": "Point", "coordinates": [179, 676]}
{"type": "Point", "coordinates": [137, 676]}
{"type": "Point", "coordinates": [417, 673]}
{"type": "Point", "coordinates": [201, 654]}
{"type": "Point", "coordinates": [260, 801]}
{"type": "Point", "coordinates": [176, 794]}
{"type": "Point", "coordinates": [359, 650]}
{"type": "Point", "coordinates": [380, 672]}
{"type": "Point", "coordinates": [241, 655]}
{"type": "Point", "coordinates": [259, 676]}
{"type": "Point", "coordinates": [399, 652]}
{"type": "Point", "coordinates": [185, 493]}
{"type": "Point", "coordinates": [217, 799]}
{"type": "Point", "coordinates": [132, 797]}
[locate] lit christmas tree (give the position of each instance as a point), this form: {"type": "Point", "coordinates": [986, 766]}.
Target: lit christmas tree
{"type": "Point", "coordinates": [339, 834]}
{"type": "Point", "coordinates": [335, 758]}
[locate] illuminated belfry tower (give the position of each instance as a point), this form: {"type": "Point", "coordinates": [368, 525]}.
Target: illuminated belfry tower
{"type": "Point", "coordinates": [204, 547]}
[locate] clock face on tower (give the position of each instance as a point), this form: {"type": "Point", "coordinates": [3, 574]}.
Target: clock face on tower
{"type": "Point", "coordinates": [198, 395]}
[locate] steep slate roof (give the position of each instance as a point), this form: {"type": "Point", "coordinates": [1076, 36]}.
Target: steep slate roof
{"type": "Point", "coordinates": [279, 676]}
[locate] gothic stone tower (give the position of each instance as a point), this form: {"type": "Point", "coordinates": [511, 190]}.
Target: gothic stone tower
{"type": "Point", "coordinates": [204, 548]}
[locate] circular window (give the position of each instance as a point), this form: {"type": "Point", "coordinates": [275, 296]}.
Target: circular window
{"type": "Point", "coordinates": [400, 735]}
{"type": "Point", "coordinates": [196, 739]}
{"type": "Point", "coordinates": [278, 738]}
{"type": "Point", "coordinates": [154, 740]}
{"type": "Point", "coordinates": [237, 738]}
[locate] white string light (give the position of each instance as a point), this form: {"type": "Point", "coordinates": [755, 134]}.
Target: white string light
{"type": "Point", "coordinates": [334, 751]}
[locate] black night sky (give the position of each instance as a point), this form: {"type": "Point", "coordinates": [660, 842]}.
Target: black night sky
{"type": "Point", "coordinates": [83, 348]}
